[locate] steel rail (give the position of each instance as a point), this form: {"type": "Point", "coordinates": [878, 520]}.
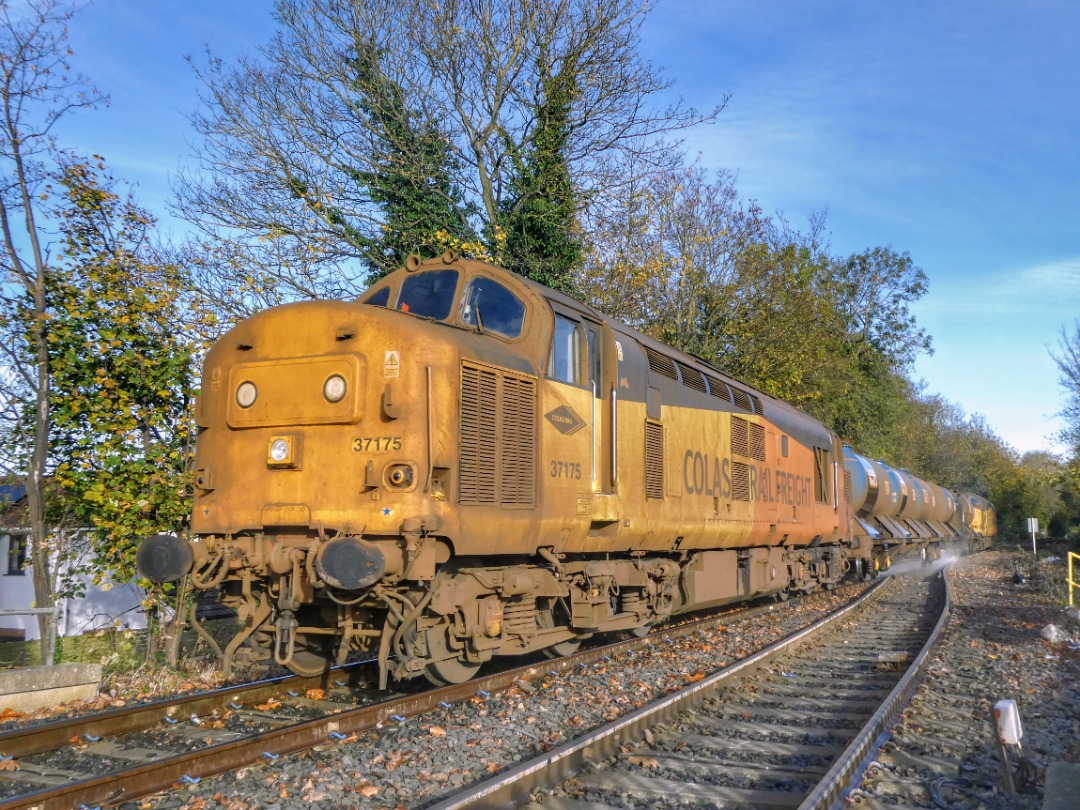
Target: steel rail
{"type": "Point", "coordinates": [833, 788]}
{"type": "Point", "coordinates": [516, 786]}
{"type": "Point", "coordinates": [144, 779]}
{"type": "Point", "coordinates": [47, 736]}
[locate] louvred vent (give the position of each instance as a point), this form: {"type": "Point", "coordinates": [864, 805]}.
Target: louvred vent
{"type": "Point", "coordinates": [661, 363]}
{"type": "Point", "coordinates": [498, 438]}
{"type": "Point", "coordinates": [654, 460]}
{"type": "Point", "coordinates": [740, 481]}
{"type": "Point", "coordinates": [740, 436]}
{"type": "Point", "coordinates": [742, 399]}
{"type": "Point", "coordinates": [757, 442]}
{"type": "Point", "coordinates": [692, 378]}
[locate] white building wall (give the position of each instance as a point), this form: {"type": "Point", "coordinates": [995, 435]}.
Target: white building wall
{"type": "Point", "coordinates": [108, 605]}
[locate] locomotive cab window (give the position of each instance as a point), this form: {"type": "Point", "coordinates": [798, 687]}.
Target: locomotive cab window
{"type": "Point", "coordinates": [379, 298]}
{"type": "Point", "coordinates": [429, 294]}
{"type": "Point", "coordinates": [491, 307]}
{"type": "Point", "coordinates": [565, 362]}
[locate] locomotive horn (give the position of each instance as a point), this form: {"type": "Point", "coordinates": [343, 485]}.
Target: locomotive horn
{"type": "Point", "coordinates": [163, 558]}
{"type": "Point", "coordinates": [350, 563]}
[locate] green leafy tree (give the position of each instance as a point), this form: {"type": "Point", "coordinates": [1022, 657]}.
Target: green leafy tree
{"type": "Point", "coordinates": [122, 379]}
{"type": "Point", "coordinates": [539, 214]}
{"type": "Point", "coordinates": [410, 178]}
{"type": "Point", "coordinates": [122, 382]}
{"type": "Point", "coordinates": [38, 88]}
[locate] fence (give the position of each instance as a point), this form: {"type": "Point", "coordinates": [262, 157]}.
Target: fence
{"type": "Point", "coordinates": [54, 617]}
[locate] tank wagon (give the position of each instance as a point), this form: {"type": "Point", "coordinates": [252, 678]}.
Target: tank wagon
{"type": "Point", "coordinates": [897, 513]}
{"type": "Point", "coordinates": [464, 464]}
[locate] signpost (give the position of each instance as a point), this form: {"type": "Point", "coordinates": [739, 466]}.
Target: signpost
{"type": "Point", "coordinates": [1033, 526]}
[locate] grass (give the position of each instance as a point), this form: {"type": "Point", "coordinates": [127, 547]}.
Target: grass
{"type": "Point", "coordinates": [126, 667]}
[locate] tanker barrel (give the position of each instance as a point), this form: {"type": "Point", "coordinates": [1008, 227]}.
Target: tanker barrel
{"type": "Point", "coordinates": [164, 558]}
{"type": "Point", "coordinates": [860, 483]}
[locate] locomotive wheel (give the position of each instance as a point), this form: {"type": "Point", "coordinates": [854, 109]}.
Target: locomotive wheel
{"type": "Point", "coordinates": [447, 670]}
{"type": "Point", "coordinates": [553, 615]}
{"type": "Point", "coordinates": [310, 658]}
{"type": "Point", "coordinates": [563, 648]}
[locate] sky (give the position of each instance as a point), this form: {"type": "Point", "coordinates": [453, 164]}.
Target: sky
{"type": "Point", "coordinates": [948, 130]}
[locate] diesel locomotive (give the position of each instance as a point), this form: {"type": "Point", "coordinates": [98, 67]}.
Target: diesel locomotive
{"type": "Point", "coordinates": [464, 464]}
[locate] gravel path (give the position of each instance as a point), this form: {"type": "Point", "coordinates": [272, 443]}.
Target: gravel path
{"type": "Point", "coordinates": [992, 650]}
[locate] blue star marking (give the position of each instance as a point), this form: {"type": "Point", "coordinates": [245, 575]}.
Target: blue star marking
{"type": "Point", "coordinates": [386, 511]}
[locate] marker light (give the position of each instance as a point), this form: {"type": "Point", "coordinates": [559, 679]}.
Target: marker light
{"type": "Point", "coordinates": [334, 388]}
{"type": "Point", "coordinates": [246, 393]}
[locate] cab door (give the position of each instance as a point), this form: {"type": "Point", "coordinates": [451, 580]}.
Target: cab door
{"type": "Point", "coordinates": [566, 426]}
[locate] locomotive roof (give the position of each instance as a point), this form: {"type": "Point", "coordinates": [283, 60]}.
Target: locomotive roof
{"type": "Point", "coordinates": [785, 416]}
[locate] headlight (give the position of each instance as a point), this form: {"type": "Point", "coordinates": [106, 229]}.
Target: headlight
{"type": "Point", "coordinates": [334, 388]}
{"type": "Point", "coordinates": [279, 450]}
{"type": "Point", "coordinates": [246, 393]}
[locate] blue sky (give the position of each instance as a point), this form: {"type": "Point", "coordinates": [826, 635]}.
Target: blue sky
{"type": "Point", "coordinates": [950, 130]}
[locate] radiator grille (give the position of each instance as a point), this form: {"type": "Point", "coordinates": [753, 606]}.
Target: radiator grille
{"type": "Point", "coordinates": [757, 442]}
{"type": "Point", "coordinates": [661, 363]}
{"type": "Point", "coordinates": [740, 436]}
{"type": "Point", "coordinates": [654, 460]}
{"type": "Point", "coordinates": [742, 399]}
{"type": "Point", "coordinates": [719, 389]}
{"type": "Point", "coordinates": [740, 481]}
{"type": "Point", "coordinates": [692, 378]}
{"type": "Point", "coordinates": [498, 438]}
{"type": "Point", "coordinates": [518, 446]}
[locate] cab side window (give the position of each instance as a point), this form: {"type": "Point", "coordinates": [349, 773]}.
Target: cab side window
{"type": "Point", "coordinates": [565, 362]}
{"type": "Point", "coordinates": [493, 308]}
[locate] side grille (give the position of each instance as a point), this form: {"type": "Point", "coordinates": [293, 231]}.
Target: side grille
{"type": "Point", "coordinates": [661, 363]}
{"type": "Point", "coordinates": [718, 388]}
{"type": "Point", "coordinates": [740, 436]}
{"type": "Point", "coordinates": [518, 451]}
{"type": "Point", "coordinates": [498, 438]}
{"type": "Point", "coordinates": [692, 378]}
{"type": "Point", "coordinates": [740, 481]}
{"type": "Point", "coordinates": [654, 460]}
{"type": "Point", "coordinates": [757, 442]}
{"type": "Point", "coordinates": [742, 399]}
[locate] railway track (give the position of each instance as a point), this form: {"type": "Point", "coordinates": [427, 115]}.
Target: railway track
{"type": "Point", "coordinates": [790, 727]}
{"type": "Point", "coordinates": [123, 754]}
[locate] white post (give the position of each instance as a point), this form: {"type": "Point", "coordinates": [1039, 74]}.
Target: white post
{"type": "Point", "coordinates": [1033, 526]}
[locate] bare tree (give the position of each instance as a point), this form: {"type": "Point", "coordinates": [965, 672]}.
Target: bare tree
{"type": "Point", "coordinates": [287, 135]}
{"type": "Point", "coordinates": [37, 89]}
{"type": "Point", "coordinates": [1067, 359]}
